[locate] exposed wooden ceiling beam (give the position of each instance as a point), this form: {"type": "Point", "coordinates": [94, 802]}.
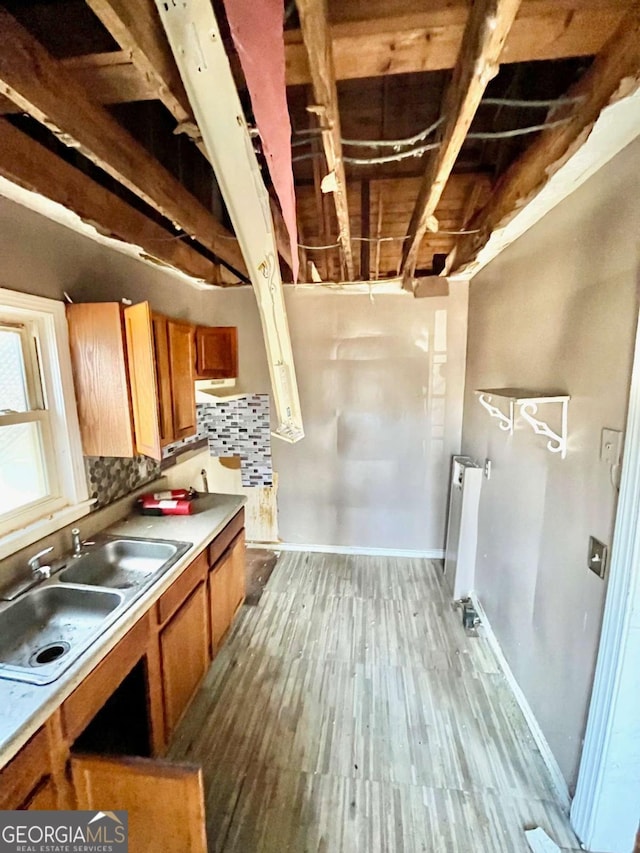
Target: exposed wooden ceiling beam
{"type": "Point", "coordinates": [395, 44]}
{"type": "Point", "coordinates": [614, 73]}
{"type": "Point", "coordinates": [486, 32]}
{"type": "Point", "coordinates": [33, 167]}
{"type": "Point", "coordinates": [42, 87]}
{"type": "Point", "coordinates": [109, 78]}
{"type": "Point", "coordinates": [315, 31]}
{"type": "Point", "coordinates": [137, 28]}
{"type": "Point", "coordinates": [135, 25]}
{"type": "Point", "coordinates": [430, 40]}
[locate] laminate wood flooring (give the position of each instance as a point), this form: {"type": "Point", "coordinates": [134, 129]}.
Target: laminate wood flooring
{"type": "Point", "coordinates": [349, 712]}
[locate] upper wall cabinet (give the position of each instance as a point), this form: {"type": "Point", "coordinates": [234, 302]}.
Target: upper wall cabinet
{"type": "Point", "coordinates": [182, 359]}
{"type": "Point", "coordinates": [99, 360]}
{"type": "Point", "coordinates": [217, 352]}
{"type": "Point", "coordinates": [134, 378]}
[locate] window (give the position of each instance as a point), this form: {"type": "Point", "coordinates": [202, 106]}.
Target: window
{"type": "Point", "coordinates": [42, 482]}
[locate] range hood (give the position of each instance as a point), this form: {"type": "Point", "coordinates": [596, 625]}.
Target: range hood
{"type": "Point", "coordinates": [195, 40]}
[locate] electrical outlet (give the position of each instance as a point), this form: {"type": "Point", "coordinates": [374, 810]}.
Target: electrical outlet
{"type": "Point", "coordinates": [597, 561]}
{"type": "Point", "coordinates": [611, 446]}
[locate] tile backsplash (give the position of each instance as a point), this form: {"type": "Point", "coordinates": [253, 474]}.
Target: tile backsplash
{"type": "Point", "coordinates": [110, 478]}
{"type": "Point", "coordinates": [239, 427]}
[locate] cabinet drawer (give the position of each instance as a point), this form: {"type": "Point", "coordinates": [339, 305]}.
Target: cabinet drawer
{"type": "Point", "coordinates": [225, 538]}
{"type": "Point", "coordinates": [181, 587]}
{"type": "Point", "coordinates": [87, 699]}
{"type": "Point", "coordinates": [22, 773]}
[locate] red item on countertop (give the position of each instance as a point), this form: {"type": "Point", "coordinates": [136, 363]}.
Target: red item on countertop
{"type": "Point", "coordinates": [150, 505]}
{"type": "Point", "coordinates": [172, 494]}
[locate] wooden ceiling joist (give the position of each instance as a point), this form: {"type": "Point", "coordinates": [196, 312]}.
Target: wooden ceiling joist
{"type": "Point", "coordinates": [33, 167]}
{"type": "Point", "coordinates": [478, 62]}
{"type": "Point", "coordinates": [42, 87]}
{"type": "Point", "coordinates": [109, 78]}
{"type": "Point", "coordinates": [315, 31]}
{"type": "Point", "coordinates": [615, 72]}
{"type": "Point", "coordinates": [135, 25]}
{"type": "Point", "coordinates": [393, 42]}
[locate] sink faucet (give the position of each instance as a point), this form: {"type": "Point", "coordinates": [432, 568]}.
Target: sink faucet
{"type": "Point", "coordinates": [77, 544]}
{"type": "Point", "coordinates": [34, 564]}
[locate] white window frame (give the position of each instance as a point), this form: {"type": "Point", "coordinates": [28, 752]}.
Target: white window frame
{"type": "Point", "coordinates": [68, 498]}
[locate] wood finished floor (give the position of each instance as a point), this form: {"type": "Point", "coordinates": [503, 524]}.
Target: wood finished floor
{"type": "Point", "coordinates": [350, 713]}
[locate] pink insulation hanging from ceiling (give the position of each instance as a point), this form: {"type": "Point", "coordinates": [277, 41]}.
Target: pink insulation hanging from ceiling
{"type": "Point", "coordinates": [257, 30]}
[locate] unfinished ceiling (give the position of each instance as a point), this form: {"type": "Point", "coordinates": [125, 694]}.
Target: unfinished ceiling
{"type": "Point", "coordinates": [95, 117]}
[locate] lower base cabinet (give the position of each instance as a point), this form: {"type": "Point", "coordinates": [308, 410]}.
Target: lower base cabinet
{"type": "Point", "coordinates": [102, 748]}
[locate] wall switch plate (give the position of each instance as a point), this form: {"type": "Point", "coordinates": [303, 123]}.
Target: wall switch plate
{"type": "Point", "coordinates": [611, 446]}
{"type": "Point", "coordinates": [597, 561]}
{"type": "Point", "coordinates": [487, 469]}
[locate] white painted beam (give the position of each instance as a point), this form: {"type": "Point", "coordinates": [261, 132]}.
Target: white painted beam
{"type": "Point", "coordinates": [194, 37]}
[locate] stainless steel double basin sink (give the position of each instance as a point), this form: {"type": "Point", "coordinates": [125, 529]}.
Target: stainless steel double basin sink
{"type": "Point", "coordinates": [46, 629]}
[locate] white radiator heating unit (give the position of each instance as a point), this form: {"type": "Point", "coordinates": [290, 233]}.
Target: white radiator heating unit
{"type": "Point", "coordinates": [462, 527]}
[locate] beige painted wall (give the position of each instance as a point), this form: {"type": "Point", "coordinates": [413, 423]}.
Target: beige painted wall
{"type": "Point", "coordinates": [381, 391]}
{"type": "Point", "coordinates": [46, 258]}
{"type": "Point", "coordinates": [557, 309]}
{"type": "Point", "coordinates": [380, 384]}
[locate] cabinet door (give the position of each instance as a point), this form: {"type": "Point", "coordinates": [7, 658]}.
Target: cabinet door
{"type": "Point", "coordinates": [238, 574]}
{"type": "Point", "coordinates": [184, 651]}
{"type": "Point", "coordinates": [165, 801]}
{"type": "Point", "coordinates": [142, 374]}
{"type": "Point", "coordinates": [217, 352]}
{"type": "Point", "coordinates": [182, 357]}
{"type": "Point", "coordinates": [220, 600]}
{"type": "Point", "coordinates": [163, 374]}
{"type": "Point", "coordinates": [96, 339]}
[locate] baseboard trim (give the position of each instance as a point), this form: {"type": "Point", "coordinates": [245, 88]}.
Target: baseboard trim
{"type": "Point", "coordinates": [548, 757]}
{"type": "Point", "coordinates": [433, 554]}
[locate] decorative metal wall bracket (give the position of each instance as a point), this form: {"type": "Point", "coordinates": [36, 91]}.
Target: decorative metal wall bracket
{"type": "Point", "coordinates": [528, 402]}
{"type": "Point", "coordinates": [557, 441]}
{"type": "Point", "coordinates": [506, 423]}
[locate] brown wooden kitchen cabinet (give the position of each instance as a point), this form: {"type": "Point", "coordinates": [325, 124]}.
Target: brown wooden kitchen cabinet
{"type": "Point", "coordinates": [134, 374]}
{"type": "Point", "coordinates": [182, 359]}
{"type": "Point", "coordinates": [104, 744]}
{"type": "Point", "coordinates": [227, 588]}
{"type": "Point", "coordinates": [24, 777]}
{"type": "Point", "coordinates": [101, 378]}
{"type": "Point", "coordinates": [216, 352]}
{"type": "Point", "coordinates": [184, 651]}
{"type": "Point", "coordinates": [174, 344]}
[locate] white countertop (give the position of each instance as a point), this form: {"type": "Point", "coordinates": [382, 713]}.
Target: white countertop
{"type": "Point", "coordinates": [26, 707]}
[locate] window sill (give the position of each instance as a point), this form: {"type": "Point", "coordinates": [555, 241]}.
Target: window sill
{"type": "Point", "coordinates": [19, 539]}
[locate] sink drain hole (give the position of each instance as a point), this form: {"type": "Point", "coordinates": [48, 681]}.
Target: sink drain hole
{"type": "Point", "coordinates": [49, 653]}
